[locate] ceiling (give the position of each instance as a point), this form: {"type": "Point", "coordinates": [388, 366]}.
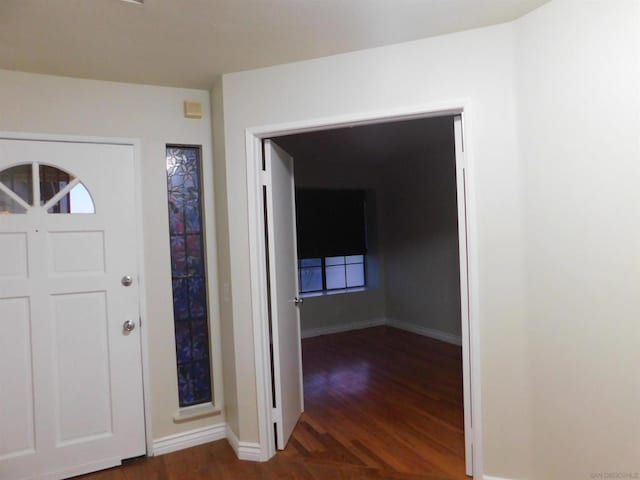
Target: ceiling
{"type": "Point", "coordinates": [370, 145]}
{"type": "Point", "coordinates": [188, 43]}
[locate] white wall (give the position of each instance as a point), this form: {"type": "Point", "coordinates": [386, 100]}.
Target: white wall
{"type": "Point", "coordinates": [420, 238]}
{"type": "Point", "coordinates": [227, 337]}
{"type": "Point", "coordinates": [154, 116]}
{"type": "Point", "coordinates": [477, 66]}
{"type": "Point", "coordinates": [579, 122]}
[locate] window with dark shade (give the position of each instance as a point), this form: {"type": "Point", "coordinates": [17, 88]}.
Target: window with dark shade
{"type": "Point", "coordinates": [188, 273]}
{"type": "Point", "coordinates": [330, 222]}
{"type": "Point", "coordinates": [331, 235]}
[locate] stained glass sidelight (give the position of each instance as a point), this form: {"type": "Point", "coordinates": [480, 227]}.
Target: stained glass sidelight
{"type": "Point", "coordinates": [188, 275]}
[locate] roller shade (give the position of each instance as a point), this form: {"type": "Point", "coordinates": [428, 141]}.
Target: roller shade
{"type": "Point", "coordinates": [330, 222]}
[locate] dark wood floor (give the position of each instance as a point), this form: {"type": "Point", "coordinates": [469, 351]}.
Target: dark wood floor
{"type": "Point", "coordinates": [380, 403]}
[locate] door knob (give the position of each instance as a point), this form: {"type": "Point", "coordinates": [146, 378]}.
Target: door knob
{"type": "Point", "coordinates": [126, 280]}
{"type": "Point", "coordinates": [298, 301]}
{"type": "Point", "coordinates": [128, 326]}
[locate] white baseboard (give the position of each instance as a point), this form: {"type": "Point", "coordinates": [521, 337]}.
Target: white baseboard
{"type": "Point", "coordinates": [244, 450]}
{"type": "Point", "coordinates": [409, 327]}
{"type": "Point", "coordinates": [232, 438]}
{"type": "Point", "coordinates": [344, 327]}
{"type": "Point", "coordinates": [427, 332]}
{"type": "Point", "coordinates": [188, 439]}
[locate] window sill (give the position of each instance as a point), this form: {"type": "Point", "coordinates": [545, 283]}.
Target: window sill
{"type": "Point", "coordinates": [194, 412]}
{"type": "Point", "coordinates": [325, 293]}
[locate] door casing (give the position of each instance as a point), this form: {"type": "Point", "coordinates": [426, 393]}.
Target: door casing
{"type": "Point", "coordinates": [144, 343]}
{"type": "Point", "coordinates": [258, 265]}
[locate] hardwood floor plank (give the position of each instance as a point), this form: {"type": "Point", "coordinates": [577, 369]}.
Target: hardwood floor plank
{"type": "Point", "coordinates": [393, 397]}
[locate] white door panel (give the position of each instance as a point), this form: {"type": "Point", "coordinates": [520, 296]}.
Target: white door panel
{"type": "Point", "coordinates": [78, 253]}
{"type": "Point", "coordinates": [16, 393]}
{"type": "Point", "coordinates": [281, 228]}
{"type": "Point", "coordinates": [13, 255]}
{"type": "Point", "coordinates": [62, 279]}
{"type": "Point", "coordinates": [79, 322]}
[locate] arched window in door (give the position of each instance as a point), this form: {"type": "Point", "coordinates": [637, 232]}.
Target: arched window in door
{"type": "Point", "coordinates": [58, 191]}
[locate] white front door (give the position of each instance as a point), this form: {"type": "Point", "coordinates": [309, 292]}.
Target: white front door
{"type": "Point", "coordinates": [70, 370]}
{"type": "Point", "coordinates": [283, 274]}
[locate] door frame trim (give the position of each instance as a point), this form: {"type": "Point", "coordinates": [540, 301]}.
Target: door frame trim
{"type": "Point", "coordinates": [257, 256]}
{"type": "Point", "coordinates": [142, 290]}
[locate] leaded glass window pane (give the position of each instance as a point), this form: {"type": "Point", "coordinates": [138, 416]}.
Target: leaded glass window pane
{"type": "Point", "coordinates": [188, 273]}
{"type": "Point", "coordinates": [310, 279]}
{"type": "Point", "coordinates": [336, 277]}
{"type": "Point", "coordinates": [355, 275]}
{"type": "Point", "coordinates": [9, 205]}
{"type": "Point", "coordinates": [331, 273]}
{"type": "Point", "coordinates": [334, 261]}
{"type": "Point", "coordinates": [76, 200]}
{"type": "Point", "coordinates": [19, 180]}
{"type": "Point", "coordinates": [52, 181]}
{"type": "Point", "coordinates": [311, 262]}
{"type": "Point", "coordinates": [355, 259]}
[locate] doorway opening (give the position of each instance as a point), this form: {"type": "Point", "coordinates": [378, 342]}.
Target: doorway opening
{"type": "Point", "coordinates": [372, 158]}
